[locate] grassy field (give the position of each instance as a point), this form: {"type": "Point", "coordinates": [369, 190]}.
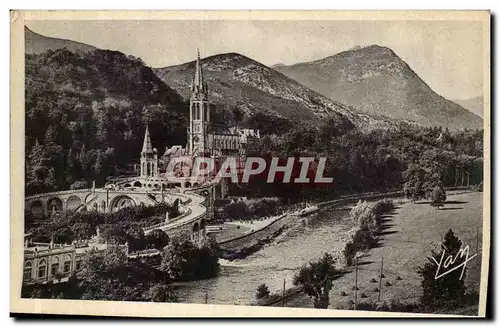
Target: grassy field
{"type": "Point", "coordinates": [410, 232]}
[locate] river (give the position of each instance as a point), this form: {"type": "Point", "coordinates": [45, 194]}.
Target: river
{"type": "Point", "coordinates": [325, 231]}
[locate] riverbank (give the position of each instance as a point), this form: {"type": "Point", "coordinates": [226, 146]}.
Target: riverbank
{"type": "Point", "coordinates": [411, 232]}
{"type": "Point", "coordinates": [251, 237]}
{"type": "Point", "coordinates": [252, 241]}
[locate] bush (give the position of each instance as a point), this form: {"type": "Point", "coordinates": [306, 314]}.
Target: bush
{"type": "Point", "coordinates": [349, 253]}
{"type": "Point", "coordinates": [185, 261]}
{"type": "Point", "coordinates": [316, 279]}
{"type": "Point", "coordinates": [262, 292]}
{"type": "Point", "coordinates": [438, 196]}
{"type": "Point", "coordinates": [162, 293]}
{"type": "Point", "coordinates": [363, 239]}
{"type": "Point", "coordinates": [367, 215]}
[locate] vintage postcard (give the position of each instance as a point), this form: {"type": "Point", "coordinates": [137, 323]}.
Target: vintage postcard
{"type": "Point", "coordinates": [250, 163]}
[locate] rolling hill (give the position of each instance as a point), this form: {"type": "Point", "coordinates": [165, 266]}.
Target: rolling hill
{"type": "Point", "coordinates": [375, 80]}
{"type": "Point", "coordinates": [37, 43]}
{"type": "Point", "coordinates": [238, 82]}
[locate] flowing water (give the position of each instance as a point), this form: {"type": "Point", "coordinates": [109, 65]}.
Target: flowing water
{"type": "Point", "coordinates": [326, 231]}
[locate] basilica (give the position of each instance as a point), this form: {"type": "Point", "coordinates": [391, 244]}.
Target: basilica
{"type": "Point", "coordinates": [203, 138]}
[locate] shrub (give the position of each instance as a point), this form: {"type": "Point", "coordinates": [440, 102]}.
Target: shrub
{"type": "Point", "coordinates": [316, 278]}
{"type": "Point", "coordinates": [367, 215]}
{"type": "Point", "coordinates": [162, 293]}
{"type": "Point", "coordinates": [363, 239]}
{"type": "Point", "coordinates": [438, 196]}
{"type": "Point", "coordinates": [185, 261]}
{"type": "Point", "coordinates": [262, 292]}
{"type": "Point", "coordinates": [349, 253]}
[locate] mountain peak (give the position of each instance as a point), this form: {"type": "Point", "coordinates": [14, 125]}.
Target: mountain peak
{"type": "Point", "coordinates": [236, 81]}
{"type": "Point", "coordinates": [375, 80]}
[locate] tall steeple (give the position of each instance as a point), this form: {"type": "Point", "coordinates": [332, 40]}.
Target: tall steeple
{"type": "Point", "coordinates": [199, 109]}
{"type": "Point", "coordinates": [198, 86]}
{"type": "Point", "coordinates": [149, 155]}
{"type": "Point", "coordinates": [147, 148]}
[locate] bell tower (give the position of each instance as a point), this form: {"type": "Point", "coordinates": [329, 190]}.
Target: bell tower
{"type": "Point", "coordinates": [149, 157]}
{"type": "Point", "coordinates": [199, 113]}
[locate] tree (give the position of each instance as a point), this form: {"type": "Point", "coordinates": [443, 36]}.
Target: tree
{"type": "Point", "coordinates": [162, 293]}
{"type": "Point", "coordinates": [450, 288]}
{"type": "Point", "coordinates": [414, 178]}
{"type": "Point", "coordinates": [135, 237]}
{"type": "Point", "coordinates": [262, 292]}
{"type": "Point", "coordinates": [36, 168]}
{"type": "Point", "coordinates": [63, 235]}
{"type": "Point", "coordinates": [82, 231]}
{"type": "Point", "coordinates": [158, 239]}
{"type": "Point", "coordinates": [438, 196]}
{"type": "Point", "coordinates": [185, 261]}
{"type": "Point", "coordinates": [316, 280]}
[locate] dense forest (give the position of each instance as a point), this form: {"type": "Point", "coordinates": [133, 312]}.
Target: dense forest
{"type": "Point", "coordinates": [375, 161]}
{"type": "Point", "coordinates": [86, 114]}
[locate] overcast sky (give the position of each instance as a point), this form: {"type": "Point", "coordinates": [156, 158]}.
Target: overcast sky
{"type": "Point", "coordinates": [445, 54]}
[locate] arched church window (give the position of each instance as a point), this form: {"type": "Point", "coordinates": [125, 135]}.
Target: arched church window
{"type": "Point", "coordinates": [42, 268]}
{"type": "Point", "coordinates": [54, 268]}
{"type": "Point", "coordinates": [27, 271]}
{"type": "Point", "coordinates": [67, 263]}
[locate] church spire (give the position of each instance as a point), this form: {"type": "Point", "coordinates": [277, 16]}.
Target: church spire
{"type": "Point", "coordinates": [146, 146]}
{"type": "Point", "coordinates": [198, 85]}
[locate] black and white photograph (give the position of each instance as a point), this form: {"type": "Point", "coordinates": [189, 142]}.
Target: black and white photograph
{"type": "Point", "coordinates": [336, 163]}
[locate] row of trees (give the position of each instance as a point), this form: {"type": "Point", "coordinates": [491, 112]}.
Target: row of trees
{"type": "Point", "coordinates": [447, 292]}
{"type": "Point", "coordinates": [377, 160]}
{"type": "Point", "coordinates": [368, 216]}
{"type": "Point", "coordinates": [250, 209]}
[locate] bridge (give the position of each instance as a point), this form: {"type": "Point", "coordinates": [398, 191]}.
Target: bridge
{"type": "Point", "coordinates": [195, 205]}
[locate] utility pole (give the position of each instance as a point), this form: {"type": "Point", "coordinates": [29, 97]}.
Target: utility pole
{"type": "Point", "coordinates": [477, 239]}
{"type": "Point", "coordinates": [206, 297]}
{"type": "Point", "coordinates": [356, 287]}
{"type": "Point", "coordinates": [283, 295]}
{"type": "Point", "coordinates": [380, 278]}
